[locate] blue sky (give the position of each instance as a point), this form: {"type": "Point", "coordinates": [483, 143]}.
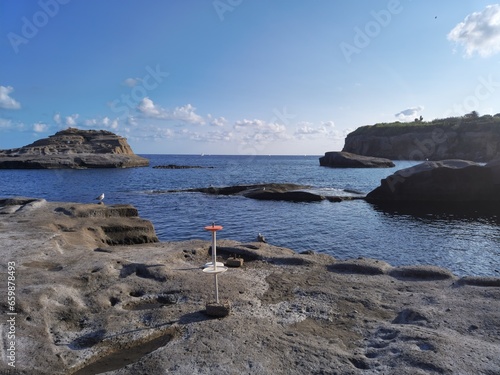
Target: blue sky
{"type": "Point", "coordinates": [241, 76]}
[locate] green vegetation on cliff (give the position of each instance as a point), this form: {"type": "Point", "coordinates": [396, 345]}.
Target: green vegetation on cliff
{"type": "Point", "coordinates": [469, 122]}
{"type": "Point", "coordinates": [470, 137]}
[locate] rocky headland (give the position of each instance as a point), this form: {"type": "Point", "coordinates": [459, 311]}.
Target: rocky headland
{"type": "Point", "coordinates": [469, 137]}
{"type": "Point", "coordinates": [74, 148]}
{"type": "Point", "coordinates": [87, 303]}
{"type": "Point", "coordinates": [339, 159]}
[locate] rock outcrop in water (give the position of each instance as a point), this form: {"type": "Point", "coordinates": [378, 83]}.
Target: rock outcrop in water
{"type": "Point", "coordinates": [456, 182]}
{"type": "Point", "coordinates": [339, 159]}
{"type": "Point", "coordinates": [468, 138]}
{"type": "Point", "coordinates": [84, 307]}
{"type": "Point", "coordinates": [74, 148]}
{"type": "Point", "coordinates": [272, 192]}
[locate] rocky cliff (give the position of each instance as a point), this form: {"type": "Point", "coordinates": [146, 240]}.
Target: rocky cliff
{"type": "Point", "coordinates": [469, 138]}
{"type": "Point", "coordinates": [74, 148]}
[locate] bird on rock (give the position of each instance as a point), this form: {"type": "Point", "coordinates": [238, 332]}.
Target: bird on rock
{"type": "Point", "coordinates": [100, 198]}
{"type": "Point", "coordinates": [261, 238]}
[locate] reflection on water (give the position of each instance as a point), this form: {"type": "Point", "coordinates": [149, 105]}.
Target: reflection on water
{"type": "Point", "coordinates": [466, 243]}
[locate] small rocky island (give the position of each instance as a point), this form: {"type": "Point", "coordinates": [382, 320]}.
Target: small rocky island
{"type": "Point", "coordinates": [76, 149]}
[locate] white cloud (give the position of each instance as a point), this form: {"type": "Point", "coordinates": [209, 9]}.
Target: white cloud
{"type": "Point", "coordinates": [479, 32]}
{"type": "Point", "coordinates": [5, 123]}
{"type": "Point", "coordinates": [104, 122]}
{"type": "Point", "coordinates": [212, 136]}
{"type": "Point", "coordinates": [409, 114]}
{"type": "Point", "coordinates": [149, 109]}
{"type": "Point", "coordinates": [39, 127]}
{"type": "Point", "coordinates": [6, 101]}
{"type": "Point", "coordinates": [220, 121]}
{"type": "Point", "coordinates": [249, 124]}
{"type": "Point", "coordinates": [308, 130]}
{"type": "Point", "coordinates": [57, 118]}
{"type": "Point", "coordinates": [131, 121]}
{"type": "Point", "coordinates": [131, 82]}
{"type": "Point", "coordinates": [328, 124]}
{"type": "Point", "coordinates": [184, 113]}
{"type": "Point", "coordinates": [259, 131]}
{"type": "Point", "coordinates": [114, 124]}
{"type": "Point", "coordinates": [187, 114]}
{"type": "Point", "coordinates": [71, 120]}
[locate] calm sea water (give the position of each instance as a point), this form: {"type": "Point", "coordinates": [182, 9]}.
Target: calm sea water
{"type": "Point", "coordinates": [466, 244]}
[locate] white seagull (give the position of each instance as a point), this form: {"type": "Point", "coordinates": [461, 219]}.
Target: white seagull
{"type": "Point", "coordinates": [261, 238]}
{"type": "Point", "coordinates": [100, 198]}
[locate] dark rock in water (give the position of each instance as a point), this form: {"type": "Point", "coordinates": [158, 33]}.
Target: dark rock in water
{"type": "Point", "coordinates": [74, 148]}
{"type": "Point", "coordinates": [457, 182]}
{"type": "Point", "coordinates": [339, 159]}
{"type": "Point", "coordinates": [270, 191]}
{"type": "Point", "coordinates": [243, 189]}
{"type": "Point", "coordinates": [279, 195]}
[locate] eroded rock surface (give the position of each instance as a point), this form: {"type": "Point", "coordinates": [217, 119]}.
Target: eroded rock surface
{"type": "Point", "coordinates": [74, 148]}
{"type": "Point", "coordinates": [84, 307]}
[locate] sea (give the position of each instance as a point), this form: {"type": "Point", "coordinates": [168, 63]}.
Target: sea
{"type": "Point", "coordinates": [466, 244]}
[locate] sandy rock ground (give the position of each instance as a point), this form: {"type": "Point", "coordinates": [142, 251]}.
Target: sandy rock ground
{"type": "Point", "coordinates": [85, 307]}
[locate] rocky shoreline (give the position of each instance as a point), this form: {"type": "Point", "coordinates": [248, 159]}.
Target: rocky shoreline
{"type": "Point", "coordinates": [88, 305]}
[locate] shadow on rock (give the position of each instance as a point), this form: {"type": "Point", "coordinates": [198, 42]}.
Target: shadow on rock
{"type": "Point", "coordinates": [88, 340]}
{"type": "Point", "coordinates": [145, 271]}
{"type": "Point", "coordinates": [194, 317]}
